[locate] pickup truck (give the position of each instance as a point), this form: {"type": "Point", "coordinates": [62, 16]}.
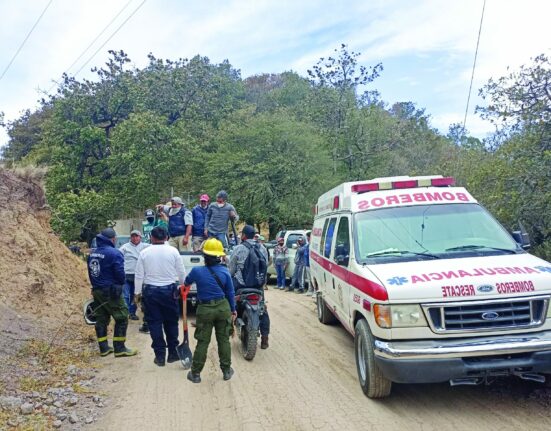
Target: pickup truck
{"type": "Point", "coordinates": [190, 260]}
{"type": "Point", "coordinates": [291, 237]}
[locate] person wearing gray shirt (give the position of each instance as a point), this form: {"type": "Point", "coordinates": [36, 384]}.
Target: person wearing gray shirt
{"type": "Point", "coordinates": [218, 216]}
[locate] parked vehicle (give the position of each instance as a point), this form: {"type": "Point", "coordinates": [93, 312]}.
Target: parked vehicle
{"type": "Point", "coordinates": [191, 259]}
{"type": "Point", "coordinates": [430, 285]}
{"type": "Point", "coordinates": [250, 307]}
{"type": "Point", "coordinates": [291, 237]}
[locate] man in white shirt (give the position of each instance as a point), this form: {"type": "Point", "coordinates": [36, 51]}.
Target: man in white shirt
{"type": "Point", "coordinates": [131, 250]}
{"type": "Point", "coordinates": [159, 272]}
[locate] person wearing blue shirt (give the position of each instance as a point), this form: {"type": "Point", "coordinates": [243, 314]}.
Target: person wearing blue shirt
{"type": "Point", "coordinates": [199, 213]}
{"type": "Point", "coordinates": [307, 275]}
{"type": "Point", "coordinates": [216, 309]}
{"type": "Point", "coordinates": [106, 273]}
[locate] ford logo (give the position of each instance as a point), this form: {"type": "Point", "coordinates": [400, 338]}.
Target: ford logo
{"type": "Point", "coordinates": [485, 288]}
{"type": "Point", "coordinates": [490, 315]}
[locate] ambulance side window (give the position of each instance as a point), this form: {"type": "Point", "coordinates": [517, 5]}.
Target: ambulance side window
{"type": "Point", "coordinates": [329, 237]}
{"type": "Point", "coordinates": [342, 249]}
{"type": "Point", "coordinates": [322, 242]}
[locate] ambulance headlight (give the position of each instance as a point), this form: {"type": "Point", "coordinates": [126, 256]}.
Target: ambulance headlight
{"type": "Point", "coordinates": [399, 316]}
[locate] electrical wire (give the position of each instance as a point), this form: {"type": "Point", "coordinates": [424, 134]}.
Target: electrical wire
{"type": "Point", "coordinates": [25, 40]}
{"type": "Point", "coordinates": [474, 67]}
{"type": "Point", "coordinates": [92, 43]}
{"type": "Point", "coordinates": [98, 36]}
{"type": "Point", "coordinates": [109, 38]}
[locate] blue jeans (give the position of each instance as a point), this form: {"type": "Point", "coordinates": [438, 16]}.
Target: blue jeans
{"type": "Point", "coordinates": [162, 314]}
{"type": "Point", "coordinates": [280, 271]}
{"type": "Point", "coordinates": [221, 237]}
{"type": "Point", "coordinates": [128, 293]}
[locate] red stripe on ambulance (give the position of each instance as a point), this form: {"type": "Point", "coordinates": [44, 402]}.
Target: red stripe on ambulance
{"type": "Point", "coordinates": [375, 290]}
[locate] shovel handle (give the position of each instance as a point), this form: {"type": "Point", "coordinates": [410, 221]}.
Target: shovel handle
{"type": "Point", "coordinates": [184, 290]}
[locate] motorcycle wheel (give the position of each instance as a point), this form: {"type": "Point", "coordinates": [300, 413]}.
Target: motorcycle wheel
{"type": "Point", "coordinates": [248, 340]}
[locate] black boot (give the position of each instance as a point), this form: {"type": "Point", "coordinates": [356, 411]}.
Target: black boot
{"type": "Point", "coordinates": [119, 337]}
{"type": "Point", "coordinates": [144, 328]}
{"type": "Point", "coordinates": [101, 334]}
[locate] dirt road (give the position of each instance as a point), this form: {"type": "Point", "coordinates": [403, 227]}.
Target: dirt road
{"type": "Point", "coordinates": [306, 380]}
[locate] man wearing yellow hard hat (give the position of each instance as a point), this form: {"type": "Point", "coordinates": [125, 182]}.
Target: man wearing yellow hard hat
{"type": "Point", "coordinates": [216, 309]}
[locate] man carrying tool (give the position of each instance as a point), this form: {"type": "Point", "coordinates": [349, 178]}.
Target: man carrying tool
{"type": "Point", "coordinates": [106, 273]}
{"type": "Point", "coordinates": [180, 224]}
{"type": "Point", "coordinates": [199, 213]}
{"type": "Point", "coordinates": [218, 216]}
{"type": "Point", "coordinates": [130, 251]}
{"type": "Point", "coordinates": [238, 260]}
{"type": "Point", "coordinates": [216, 309]}
{"type": "Point", "coordinates": [158, 271]}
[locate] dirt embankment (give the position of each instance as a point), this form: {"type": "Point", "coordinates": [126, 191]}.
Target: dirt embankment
{"type": "Point", "coordinates": [45, 358]}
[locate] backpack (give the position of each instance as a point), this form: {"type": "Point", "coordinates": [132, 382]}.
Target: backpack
{"type": "Point", "coordinates": [255, 267]}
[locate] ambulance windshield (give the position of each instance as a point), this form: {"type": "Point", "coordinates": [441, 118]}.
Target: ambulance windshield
{"type": "Point", "coordinates": [429, 232]}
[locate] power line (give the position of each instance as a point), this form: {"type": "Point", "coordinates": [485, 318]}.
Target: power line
{"type": "Point", "coordinates": [110, 37]}
{"type": "Point", "coordinates": [25, 40]}
{"type": "Point", "coordinates": [474, 67]}
{"type": "Point", "coordinates": [93, 42]}
{"type": "Point", "coordinates": [98, 36]}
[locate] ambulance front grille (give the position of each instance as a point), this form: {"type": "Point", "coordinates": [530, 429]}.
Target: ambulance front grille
{"type": "Point", "coordinates": [492, 315]}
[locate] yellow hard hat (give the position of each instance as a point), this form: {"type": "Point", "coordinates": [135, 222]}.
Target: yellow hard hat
{"type": "Point", "coordinates": [213, 247]}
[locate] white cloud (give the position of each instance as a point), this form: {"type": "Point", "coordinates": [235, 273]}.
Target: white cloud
{"type": "Point", "coordinates": [272, 36]}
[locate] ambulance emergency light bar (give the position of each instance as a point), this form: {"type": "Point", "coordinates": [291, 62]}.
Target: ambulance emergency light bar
{"type": "Point", "coordinates": [406, 184]}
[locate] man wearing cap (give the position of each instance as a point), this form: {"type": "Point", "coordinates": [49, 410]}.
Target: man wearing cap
{"type": "Point", "coordinates": [106, 273]}
{"type": "Point", "coordinates": [236, 266]}
{"type": "Point", "coordinates": [159, 271]}
{"type": "Point", "coordinates": [180, 224]}
{"type": "Point", "coordinates": [130, 251]}
{"type": "Point", "coordinates": [218, 216]}
{"type": "Point", "coordinates": [199, 213]}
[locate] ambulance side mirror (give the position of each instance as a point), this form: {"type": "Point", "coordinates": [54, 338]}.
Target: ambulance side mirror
{"type": "Point", "coordinates": [522, 237]}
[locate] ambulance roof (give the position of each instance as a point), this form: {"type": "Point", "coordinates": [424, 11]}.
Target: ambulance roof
{"type": "Point", "coordinates": [347, 196]}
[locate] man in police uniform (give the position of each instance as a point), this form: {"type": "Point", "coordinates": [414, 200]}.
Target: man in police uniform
{"type": "Point", "coordinates": [158, 271]}
{"type": "Point", "coordinates": [106, 273]}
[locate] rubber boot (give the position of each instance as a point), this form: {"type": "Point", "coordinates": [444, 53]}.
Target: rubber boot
{"type": "Point", "coordinates": [104, 347]}
{"type": "Point", "coordinates": [263, 342]}
{"type": "Point", "coordinates": [119, 337]}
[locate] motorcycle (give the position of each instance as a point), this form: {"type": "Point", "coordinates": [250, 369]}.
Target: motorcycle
{"type": "Point", "coordinates": [250, 307]}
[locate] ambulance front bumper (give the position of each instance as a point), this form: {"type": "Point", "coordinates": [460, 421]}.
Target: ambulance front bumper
{"type": "Point", "coordinates": [431, 361]}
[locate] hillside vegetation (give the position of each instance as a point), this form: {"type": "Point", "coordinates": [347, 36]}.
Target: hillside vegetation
{"type": "Point", "coordinates": [120, 143]}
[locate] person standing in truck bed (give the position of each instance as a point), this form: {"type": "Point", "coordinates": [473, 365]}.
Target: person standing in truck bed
{"type": "Point", "coordinates": [218, 216]}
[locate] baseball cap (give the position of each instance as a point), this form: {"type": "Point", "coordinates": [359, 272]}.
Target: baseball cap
{"type": "Point", "coordinates": [109, 233]}
{"type": "Point", "coordinates": [261, 237]}
{"type": "Point", "coordinates": [177, 200]}
{"type": "Point", "coordinates": [204, 197]}
{"type": "Point", "coordinates": [149, 213]}
{"type": "Point", "coordinates": [135, 232]}
{"type": "Point", "coordinates": [249, 231]}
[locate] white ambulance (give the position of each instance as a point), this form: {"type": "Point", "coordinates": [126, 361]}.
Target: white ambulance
{"type": "Point", "coordinates": [430, 285]}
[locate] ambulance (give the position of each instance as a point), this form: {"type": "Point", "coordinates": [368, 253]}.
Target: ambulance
{"type": "Point", "coordinates": [430, 285]}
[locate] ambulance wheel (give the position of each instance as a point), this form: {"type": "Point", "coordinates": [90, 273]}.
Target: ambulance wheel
{"type": "Point", "coordinates": [374, 384]}
{"type": "Point", "coordinates": [324, 313]}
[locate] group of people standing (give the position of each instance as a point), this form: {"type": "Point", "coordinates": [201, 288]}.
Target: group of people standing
{"type": "Point", "coordinates": [301, 273]}
{"type": "Point", "coordinates": [150, 271]}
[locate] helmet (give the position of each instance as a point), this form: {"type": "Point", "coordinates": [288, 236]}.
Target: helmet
{"type": "Point", "coordinates": [149, 213]}
{"type": "Point", "coordinates": [213, 247]}
{"type": "Point", "coordinates": [89, 309]}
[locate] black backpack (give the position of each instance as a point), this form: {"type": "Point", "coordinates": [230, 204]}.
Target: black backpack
{"type": "Point", "coordinates": [255, 267]}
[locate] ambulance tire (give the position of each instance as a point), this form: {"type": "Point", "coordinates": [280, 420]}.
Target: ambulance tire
{"type": "Point", "coordinates": [324, 313]}
{"type": "Point", "coordinates": [374, 384]}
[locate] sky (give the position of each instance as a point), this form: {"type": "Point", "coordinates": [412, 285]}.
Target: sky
{"type": "Point", "coordinates": [427, 47]}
